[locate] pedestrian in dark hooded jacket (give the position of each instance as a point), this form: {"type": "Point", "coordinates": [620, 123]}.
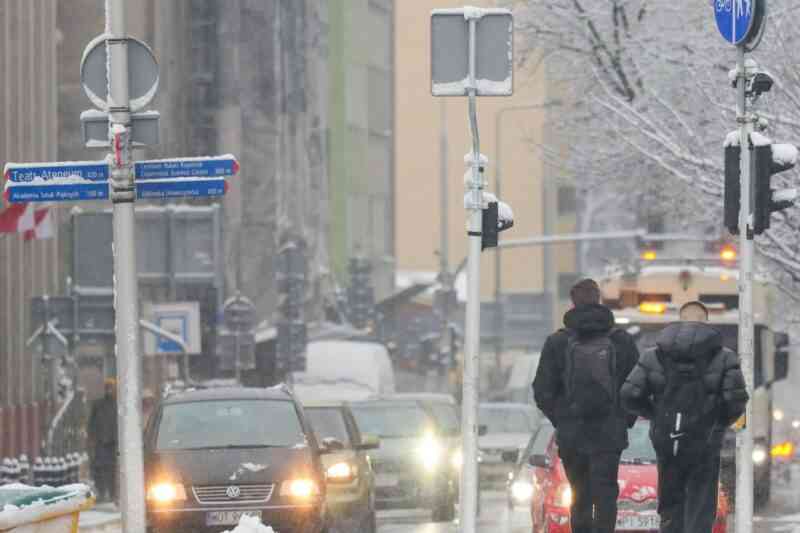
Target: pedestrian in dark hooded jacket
{"type": "Point", "coordinates": [688, 466]}
{"type": "Point", "coordinates": [103, 443]}
{"type": "Point", "coordinates": [589, 443]}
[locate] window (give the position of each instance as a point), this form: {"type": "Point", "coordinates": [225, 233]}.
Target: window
{"type": "Point", "coordinates": [386, 420]}
{"type": "Point", "coordinates": [498, 420]}
{"type": "Point", "coordinates": [328, 422]}
{"type": "Point", "coordinates": [640, 449]}
{"type": "Point", "coordinates": [235, 423]}
{"type": "Point", "coordinates": [567, 200]}
{"type": "Point", "coordinates": [446, 417]}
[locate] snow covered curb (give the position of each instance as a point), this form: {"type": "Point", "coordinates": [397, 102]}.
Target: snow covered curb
{"type": "Point", "coordinates": [99, 522]}
{"type": "Point", "coordinates": [74, 498]}
{"type": "Point", "coordinates": [251, 524]}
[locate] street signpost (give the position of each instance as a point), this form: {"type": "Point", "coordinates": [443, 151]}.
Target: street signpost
{"type": "Point", "coordinates": [120, 76]}
{"type": "Point", "coordinates": [472, 55]}
{"type": "Point", "coordinates": [741, 22]}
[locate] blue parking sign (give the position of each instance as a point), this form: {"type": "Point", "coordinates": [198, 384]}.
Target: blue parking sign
{"type": "Point", "coordinates": [735, 19]}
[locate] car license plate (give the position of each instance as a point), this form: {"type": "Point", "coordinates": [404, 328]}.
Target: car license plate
{"type": "Point", "coordinates": [386, 480]}
{"type": "Point", "coordinates": [228, 518]}
{"type": "Point", "coordinates": [638, 522]}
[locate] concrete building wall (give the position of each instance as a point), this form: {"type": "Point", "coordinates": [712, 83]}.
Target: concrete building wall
{"type": "Point", "coordinates": [29, 126]}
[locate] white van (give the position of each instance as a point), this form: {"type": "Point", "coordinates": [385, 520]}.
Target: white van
{"type": "Point", "coordinates": [344, 370]}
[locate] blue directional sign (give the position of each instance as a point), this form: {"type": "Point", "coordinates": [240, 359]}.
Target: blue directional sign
{"type": "Point", "coordinates": [180, 188]}
{"type": "Point", "coordinates": [735, 19]}
{"type": "Point", "coordinates": [199, 167]}
{"type": "Point", "coordinates": [53, 172]}
{"type": "Point", "coordinates": [56, 182]}
{"type": "Point", "coordinates": [56, 192]}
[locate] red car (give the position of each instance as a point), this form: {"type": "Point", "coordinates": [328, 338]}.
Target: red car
{"type": "Point", "coordinates": [545, 483]}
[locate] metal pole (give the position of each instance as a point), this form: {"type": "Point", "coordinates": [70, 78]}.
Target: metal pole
{"type": "Point", "coordinates": [237, 354]}
{"type": "Point", "coordinates": [445, 278]}
{"type": "Point", "coordinates": [469, 408]}
{"type": "Point", "coordinates": [744, 449]}
{"type": "Point", "coordinates": [129, 407]}
{"type": "Point", "coordinates": [47, 355]}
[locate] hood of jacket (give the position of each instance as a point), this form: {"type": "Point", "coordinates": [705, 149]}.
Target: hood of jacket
{"type": "Point", "coordinates": [589, 319]}
{"type": "Point", "coordinates": [687, 341]}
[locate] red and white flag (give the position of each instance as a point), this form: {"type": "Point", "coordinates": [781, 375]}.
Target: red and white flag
{"type": "Point", "coordinates": [31, 220]}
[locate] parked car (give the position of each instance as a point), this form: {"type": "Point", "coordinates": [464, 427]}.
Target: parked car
{"type": "Point", "coordinates": [412, 468]}
{"type": "Point", "coordinates": [508, 427]}
{"type": "Point", "coordinates": [350, 479]}
{"type": "Point", "coordinates": [551, 495]}
{"type": "Point", "coordinates": [213, 455]}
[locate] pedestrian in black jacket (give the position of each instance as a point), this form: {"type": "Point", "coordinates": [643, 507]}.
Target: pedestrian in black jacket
{"type": "Point", "coordinates": [591, 441]}
{"type": "Point", "coordinates": [688, 466]}
{"type": "Point", "coordinates": [103, 448]}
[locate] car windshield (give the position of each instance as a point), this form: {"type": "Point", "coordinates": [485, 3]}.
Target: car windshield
{"type": "Point", "coordinates": [391, 420]}
{"type": "Point", "coordinates": [229, 424]}
{"type": "Point", "coordinates": [446, 416]}
{"type": "Point", "coordinates": [505, 420]}
{"type": "Point", "coordinates": [328, 422]}
{"type": "Point", "coordinates": [640, 449]}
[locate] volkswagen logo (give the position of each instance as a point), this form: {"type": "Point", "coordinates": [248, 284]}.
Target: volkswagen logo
{"type": "Point", "coordinates": [233, 492]}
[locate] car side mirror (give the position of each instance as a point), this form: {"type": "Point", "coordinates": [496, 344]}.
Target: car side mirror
{"type": "Point", "coordinates": [482, 430]}
{"type": "Point", "coordinates": [369, 442]}
{"type": "Point", "coordinates": [330, 445]}
{"type": "Point", "coordinates": [540, 460]}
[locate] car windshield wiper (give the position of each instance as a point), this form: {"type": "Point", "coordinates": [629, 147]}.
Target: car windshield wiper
{"type": "Point", "coordinates": [233, 447]}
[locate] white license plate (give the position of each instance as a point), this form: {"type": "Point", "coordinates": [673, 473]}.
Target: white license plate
{"type": "Point", "coordinates": [638, 522]}
{"type": "Point", "coordinates": [386, 480]}
{"type": "Point", "coordinates": [228, 518]}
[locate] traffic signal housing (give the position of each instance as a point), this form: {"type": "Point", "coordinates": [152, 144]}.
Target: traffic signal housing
{"type": "Point", "coordinates": [770, 159]}
{"type": "Point", "coordinates": [733, 176]}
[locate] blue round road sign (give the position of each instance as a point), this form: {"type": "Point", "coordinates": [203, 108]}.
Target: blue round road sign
{"type": "Point", "coordinates": [735, 19]}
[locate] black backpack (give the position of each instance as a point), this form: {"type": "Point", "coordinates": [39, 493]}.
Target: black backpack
{"type": "Point", "coordinates": [590, 376]}
{"type": "Point", "coordinates": [686, 414]}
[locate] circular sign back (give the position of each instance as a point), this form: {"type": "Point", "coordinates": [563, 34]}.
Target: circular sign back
{"type": "Point", "coordinates": [142, 73]}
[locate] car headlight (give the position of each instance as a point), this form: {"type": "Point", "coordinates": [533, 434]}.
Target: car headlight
{"type": "Point", "coordinates": [521, 491]}
{"type": "Point", "coordinates": [457, 459]}
{"type": "Point", "coordinates": [166, 492]}
{"type": "Point", "coordinates": [563, 496]}
{"type": "Point", "coordinates": [759, 454]}
{"type": "Point", "coordinates": [430, 452]}
{"type": "Point", "coordinates": [342, 472]}
{"type": "Point", "coordinates": [300, 488]}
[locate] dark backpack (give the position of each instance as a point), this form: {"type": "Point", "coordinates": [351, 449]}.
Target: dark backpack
{"type": "Point", "coordinates": [685, 415]}
{"type": "Point", "coordinates": [590, 376]}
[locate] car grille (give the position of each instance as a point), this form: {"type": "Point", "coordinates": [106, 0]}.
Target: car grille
{"type": "Point", "coordinates": [629, 505]}
{"type": "Point", "coordinates": [385, 467]}
{"type": "Point", "coordinates": [218, 494]}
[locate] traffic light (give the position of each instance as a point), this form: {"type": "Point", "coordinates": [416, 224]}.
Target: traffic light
{"type": "Point", "coordinates": [489, 227]}
{"type": "Point", "coordinates": [733, 175]}
{"type": "Point", "coordinates": [360, 294]}
{"type": "Point", "coordinates": [768, 160]}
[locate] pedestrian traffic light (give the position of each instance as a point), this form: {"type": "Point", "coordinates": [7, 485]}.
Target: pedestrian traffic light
{"type": "Point", "coordinates": [770, 159]}
{"type": "Point", "coordinates": [360, 294]}
{"type": "Point", "coordinates": [733, 153]}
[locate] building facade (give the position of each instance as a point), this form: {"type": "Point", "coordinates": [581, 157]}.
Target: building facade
{"type": "Point", "coordinates": [29, 126]}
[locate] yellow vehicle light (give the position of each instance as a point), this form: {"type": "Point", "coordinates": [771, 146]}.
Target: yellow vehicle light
{"type": "Point", "coordinates": [302, 489]}
{"type": "Point", "coordinates": [649, 255]}
{"type": "Point", "coordinates": [653, 308]}
{"type": "Point", "coordinates": [728, 253]}
{"type": "Point", "coordinates": [784, 449]}
{"type": "Point", "coordinates": [341, 472]}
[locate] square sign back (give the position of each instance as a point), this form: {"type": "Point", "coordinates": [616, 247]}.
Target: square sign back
{"type": "Point", "coordinates": [450, 49]}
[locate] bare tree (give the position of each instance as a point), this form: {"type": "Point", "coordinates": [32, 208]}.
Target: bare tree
{"type": "Point", "coordinates": [650, 103]}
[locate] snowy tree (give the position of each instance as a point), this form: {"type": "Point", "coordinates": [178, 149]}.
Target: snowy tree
{"type": "Point", "coordinates": [647, 102]}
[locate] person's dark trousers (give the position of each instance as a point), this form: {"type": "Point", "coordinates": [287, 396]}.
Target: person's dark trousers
{"type": "Point", "coordinates": [687, 493]}
{"type": "Point", "coordinates": [593, 478]}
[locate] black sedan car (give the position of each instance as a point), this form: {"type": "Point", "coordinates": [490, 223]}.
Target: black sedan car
{"type": "Point", "coordinates": [214, 455]}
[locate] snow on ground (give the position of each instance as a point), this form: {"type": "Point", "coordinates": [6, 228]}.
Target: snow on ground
{"type": "Point", "coordinates": [251, 524]}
